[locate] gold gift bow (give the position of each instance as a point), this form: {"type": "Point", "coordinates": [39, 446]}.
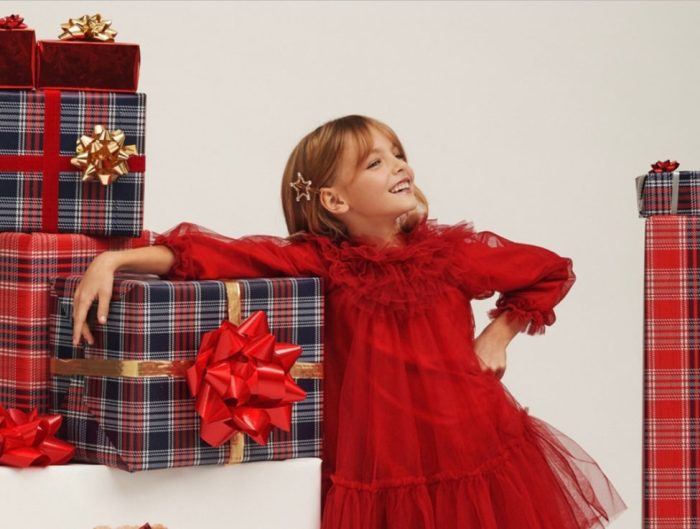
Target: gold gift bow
{"type": "Point", "coordinates": [88, 27]}
{"type": "Point", "coordinates": [102, 155]}
{"type": "Point", "coordinates": [176, 368]}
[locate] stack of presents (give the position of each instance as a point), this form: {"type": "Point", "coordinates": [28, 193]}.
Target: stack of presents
{"type": "Point", "coordinates": [670, 201]}
{"type": "Point", "coordinates": [184, 373]}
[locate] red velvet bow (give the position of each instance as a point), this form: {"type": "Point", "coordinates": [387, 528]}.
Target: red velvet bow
{"type": "Point", "coordinates": [28, 439]}
{"type": "Point", "coordinates": [242, 383]}
{"type": "Point", "coordinates": [12, 22]}
{"type": "Point", "coordinates": [664, 167]}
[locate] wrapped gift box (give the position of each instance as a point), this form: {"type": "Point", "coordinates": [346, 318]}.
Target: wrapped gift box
{"type": "Point", "coordinates": [264, 495]}
{"type": "Point", "coordinates": [87, 65]}
{"type": "Point", "coordinates": [136, 422]}
{"type": "Point", "coordinates": [668, 193]}
{"type": "Point", "coordinates": [16, 54]}
{"type": "Point", "coordinates": [28, 263]}
{"type": "Point", "coordinates": [671, 370]}
{"type": "Point", "coordinates": [41, 190]}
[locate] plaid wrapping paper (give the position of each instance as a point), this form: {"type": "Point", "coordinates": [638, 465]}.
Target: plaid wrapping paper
{"type": "Point", "coordinates": [671, 452]}
{"type": "Point", "coordinates": [148, 423]}
{"type": "Point", "coordinates": [668, 193]}
{"type": "Point", "coordinates": [36, 176]}
{"type": "Point", "coordinates": [28, 264]}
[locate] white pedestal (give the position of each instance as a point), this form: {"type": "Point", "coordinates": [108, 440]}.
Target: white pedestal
{"type": "Point", "coordinates": [261, 495]}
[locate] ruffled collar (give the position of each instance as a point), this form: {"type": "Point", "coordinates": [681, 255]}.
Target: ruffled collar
{"type": "Point", "coordinates": [400, 275]}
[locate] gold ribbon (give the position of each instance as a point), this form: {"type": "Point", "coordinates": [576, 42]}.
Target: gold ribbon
{"type": "Point", "coordinates": [103, 155]}
{"type": "Point", "coordinates": [88, 27]}
{"type": "Point", "coordinates": [100, 367]}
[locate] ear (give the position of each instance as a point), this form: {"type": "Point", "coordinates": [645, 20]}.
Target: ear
{"type": "Point", "coordinates": [332, 200]}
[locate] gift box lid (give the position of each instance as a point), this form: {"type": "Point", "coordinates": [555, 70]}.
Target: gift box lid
{"type": "Point", "coordinates": [668, 193]}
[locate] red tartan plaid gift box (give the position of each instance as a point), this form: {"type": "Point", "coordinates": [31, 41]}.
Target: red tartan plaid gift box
{"type": "Point", "coordinates": [17, 44]}
{"type": "Point", "coordinates": [126, 400]}
{"type": "Point", "coordinates": [86, 58]}
{"type": "Point", "coordinates": [28, 264]}
{"type": "Point", "coordinates": [72, 162]}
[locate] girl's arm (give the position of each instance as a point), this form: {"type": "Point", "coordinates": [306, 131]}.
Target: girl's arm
{"type": "Point", "coordinates": [201, 253]}
{"type": "Point", "coordinates": [99, 277]}
{"type": "Point", "coordinates": [531, 280]}
{"type": "Point", "coordinates": [190, 251]}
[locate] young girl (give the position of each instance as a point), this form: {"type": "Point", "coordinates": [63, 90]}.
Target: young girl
{"type": "Point", "coordinates": [419, 431]}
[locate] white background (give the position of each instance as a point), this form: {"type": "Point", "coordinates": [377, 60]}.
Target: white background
{"type": "Point", "coordinates": [531, 119]}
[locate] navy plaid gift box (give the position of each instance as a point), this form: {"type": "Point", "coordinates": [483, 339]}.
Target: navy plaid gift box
{"type": "Point", "coordinates": [668, 193]}
{"type": "Point", "coordinates": [41, 190]}
{"type": "Point", "coordinates": [140, 423]}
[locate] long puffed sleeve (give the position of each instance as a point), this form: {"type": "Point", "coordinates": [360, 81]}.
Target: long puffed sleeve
{"type": "Point", "coordinates": [201, 253]}
{"type": "Point", "coordinates": [531, 280]}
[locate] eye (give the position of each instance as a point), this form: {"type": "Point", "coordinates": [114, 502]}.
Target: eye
{"type": "Point", "coordinates": [399, 155]}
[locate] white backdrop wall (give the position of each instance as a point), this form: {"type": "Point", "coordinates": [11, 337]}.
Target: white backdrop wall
{"type": "Point", "coordinates": [529, 118]}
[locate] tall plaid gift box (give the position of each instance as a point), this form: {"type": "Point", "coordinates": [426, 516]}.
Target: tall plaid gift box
{"type": "Point", "coordinates": [671, 454]}
{"type": "Point", "coordinates": [72, 162]}
{"type": "Point", "coordinates": [28, 264]}
{"type": "Point", "coordinates": [122, 412]}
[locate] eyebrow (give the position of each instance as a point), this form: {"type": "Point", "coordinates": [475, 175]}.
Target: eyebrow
{"type": "Point", "coordinates": [379, 150]}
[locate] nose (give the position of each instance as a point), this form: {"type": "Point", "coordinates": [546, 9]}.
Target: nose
{"type": "Point", "coordinates": [400, 165]}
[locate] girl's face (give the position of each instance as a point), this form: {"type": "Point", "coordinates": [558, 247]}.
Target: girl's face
{"type": "Point", "coordinates": [372, 196]}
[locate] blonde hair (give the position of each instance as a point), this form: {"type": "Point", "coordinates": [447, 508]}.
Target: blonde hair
{"type": "Point", "coordinates": [317, 157]}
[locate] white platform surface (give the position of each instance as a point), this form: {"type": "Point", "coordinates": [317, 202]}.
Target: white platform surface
{"type": "Point", "coordinates": [260, 495]}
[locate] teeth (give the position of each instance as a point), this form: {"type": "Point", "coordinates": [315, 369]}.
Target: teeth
{"type": "Point", "coordinates": [400, 187]}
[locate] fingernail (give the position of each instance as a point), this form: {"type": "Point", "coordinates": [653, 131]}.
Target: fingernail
{"type": "Point", "coordinates": [103, 319]}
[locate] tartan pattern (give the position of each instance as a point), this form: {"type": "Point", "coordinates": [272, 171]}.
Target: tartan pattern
{"type": "Point", "coordinates": [149, 423]}
{"type": "Point", "coordinates": [28, 263]}
{"type": "Point", "coordinates": [83, 207]}
{"type": "Point", "coordinates": [671, 372]}
{"type": "Point", "coordinates": [656, 196]}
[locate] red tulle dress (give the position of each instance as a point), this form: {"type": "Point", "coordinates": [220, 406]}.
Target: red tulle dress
{"type": "Point", "coordinates": [416, 435]}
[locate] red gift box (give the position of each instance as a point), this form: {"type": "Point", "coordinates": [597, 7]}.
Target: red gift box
{"type": "Point", "coordinates": [87, 65]}
{"type": "Point", "coordinates": [28, 264]}
{"type": "Point", "coordinates": [16, 53]}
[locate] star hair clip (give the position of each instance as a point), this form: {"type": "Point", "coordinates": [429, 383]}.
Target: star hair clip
{"type": "Point", "coordinates": [302, 187]}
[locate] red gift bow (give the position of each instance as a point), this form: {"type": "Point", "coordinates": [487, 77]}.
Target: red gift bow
{"type": "Point", "coordinates": [12, 22]}
{"type": "Point", "coordinates": [28, 439]}
{"type": "Point", "coordinates": [664, 167]}
{"type": "Point", "coordinates": [241, 381]}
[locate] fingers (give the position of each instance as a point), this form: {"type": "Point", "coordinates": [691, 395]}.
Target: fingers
{"type": "Point", "coordinates": [87, 334]}
{"type": "Point", "coordinates": [103, 306]}
{"type": "Point", "coordinates": [81, 305]}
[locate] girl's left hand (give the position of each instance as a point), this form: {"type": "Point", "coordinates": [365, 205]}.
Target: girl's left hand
{"type": "Point", "coordinates": [491, 354]}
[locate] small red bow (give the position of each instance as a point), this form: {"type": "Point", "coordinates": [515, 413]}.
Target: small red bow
{"type": "Point", "coordinates": [664, 167]}
{"type": "Point", "coordinates": [12, 22]}
{"type": "Point", "coordinates": [27, 439]}
{"type": "Point", "coordinates": [242, 383]}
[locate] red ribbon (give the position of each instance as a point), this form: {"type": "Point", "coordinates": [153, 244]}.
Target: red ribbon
{"type": "Point", "coordinates": [664, 167]}
{"type": "Point", "coordinates": [51, 163]}
{"type": "Point", "coordinates": [27, 439]}
{"type": "Point", "coordinates": [242, 383]}
{"type": "Point", "coordinates": [12, 22]}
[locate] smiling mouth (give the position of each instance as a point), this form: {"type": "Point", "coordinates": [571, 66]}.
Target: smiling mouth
{"type": "Point", "coordinates": [404, 186]}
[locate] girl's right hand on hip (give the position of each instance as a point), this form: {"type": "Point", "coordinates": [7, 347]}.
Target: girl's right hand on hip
{"type": "Point", "coordinates": [97, 284]}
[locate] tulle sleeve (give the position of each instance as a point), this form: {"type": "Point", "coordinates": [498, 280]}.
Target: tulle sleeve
{"type": "Point", "coordinates": [201, 253]}
{"type": "Point", "coordinates": [531, 280]}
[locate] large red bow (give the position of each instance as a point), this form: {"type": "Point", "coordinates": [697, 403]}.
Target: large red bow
{"type": "Point", "coordinates": [664, 167]}
{"type": "Point", "coordinates": [241, 381]}
{"type": "Point", "coordinates": [12, 22]}
{"type": "Point", "coordinates": [28, 439]}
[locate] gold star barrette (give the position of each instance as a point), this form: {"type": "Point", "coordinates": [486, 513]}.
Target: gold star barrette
{"type": "Point", "coordinates": [302, 187]}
